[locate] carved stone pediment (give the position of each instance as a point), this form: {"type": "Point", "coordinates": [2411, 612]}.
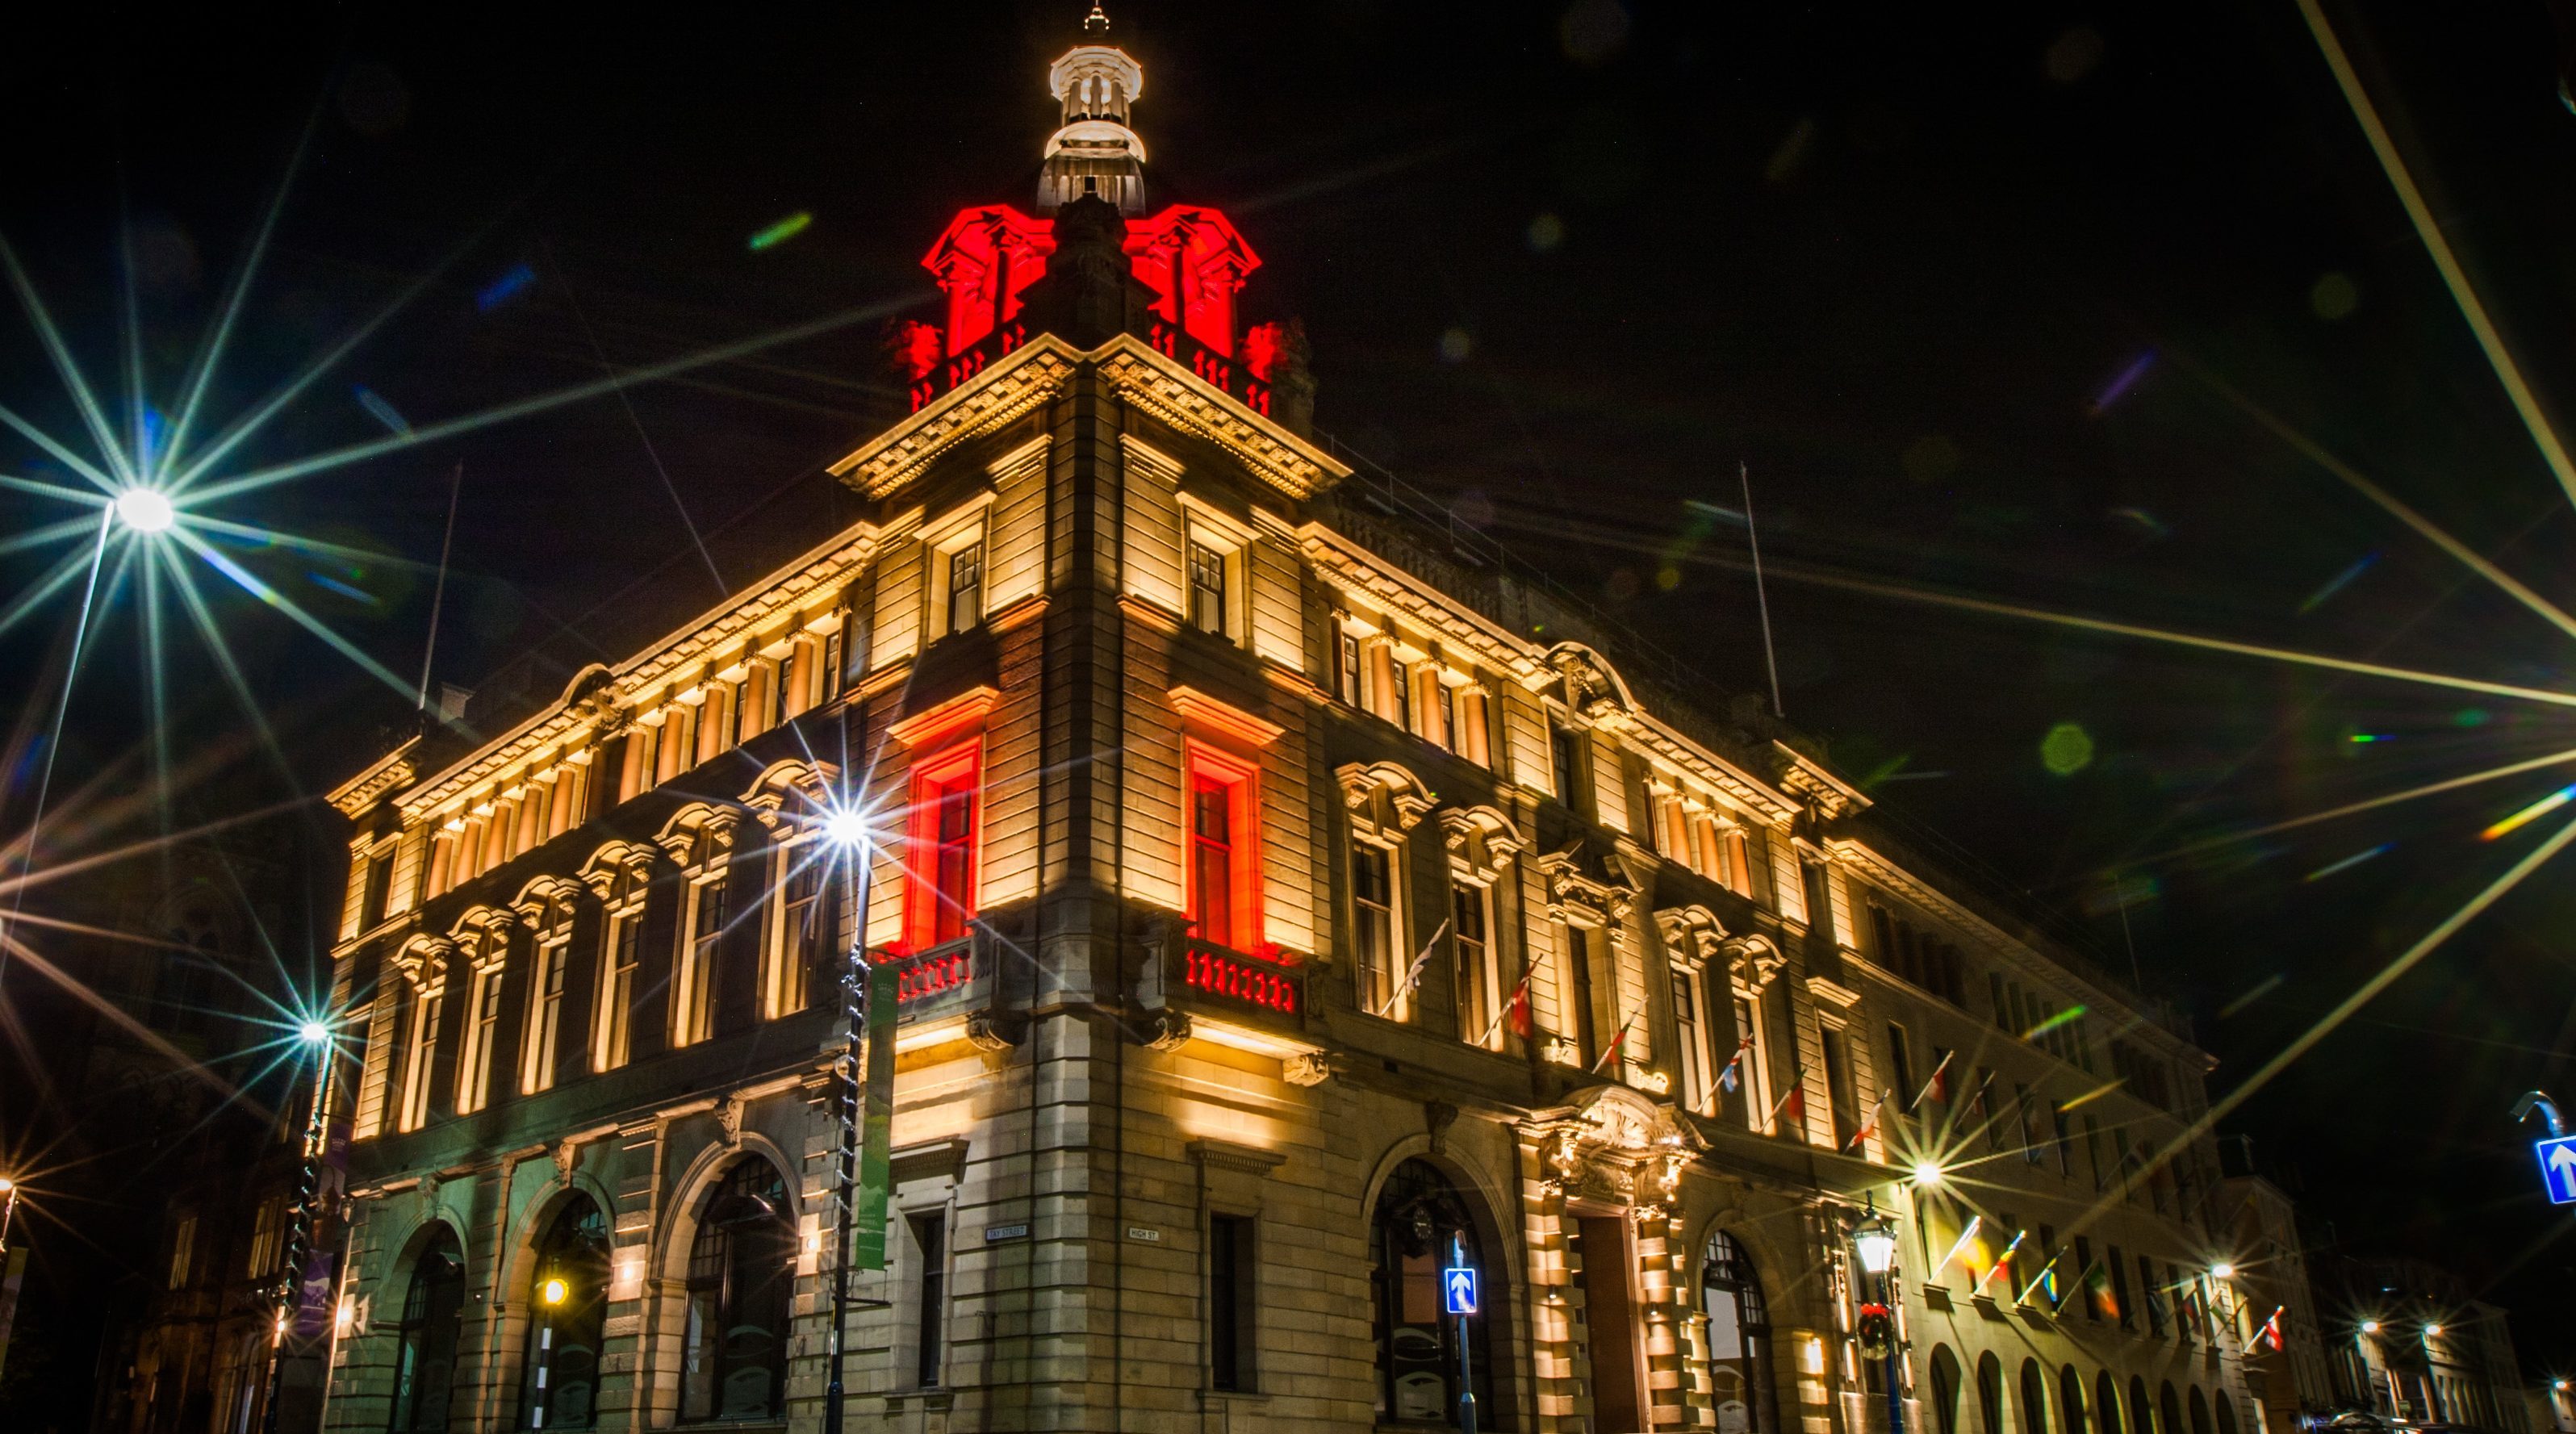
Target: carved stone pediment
{"type": "Point", "coordinates": [1384, 794]}
{"type": "Point", "coordinates": [1692, 935]}
{"type": "Point", "coordinates": [1592, 687]}
{"type": "Point", "coordinates": [1572, 889]}
{"type": "Point", "coordinates": [1614, 1145]}
{"type": "Point", "coordinates": [1753, 961]}
{"type": "Point", "coordinates": [1480, 839]}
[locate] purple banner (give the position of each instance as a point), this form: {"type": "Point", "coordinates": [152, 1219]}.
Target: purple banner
{"type": "Point", "coordinates": [314, 1301]}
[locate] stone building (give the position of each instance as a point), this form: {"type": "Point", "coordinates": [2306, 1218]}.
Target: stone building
{"type": "Point", "coordinates": [2286, 1368]}
{"type": "Point", "coordinates": [1288, 900]}
{"type": "Point", "coordinates": [2408, 1344]}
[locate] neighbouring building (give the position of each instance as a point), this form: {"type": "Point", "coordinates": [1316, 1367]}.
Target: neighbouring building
{"type": "Point", "coordinates": [2408, 1344]}
{"type": "Point", "coordinates": [1289, 898]}
{"type": "Point", "coordinates": [2286, 1368]}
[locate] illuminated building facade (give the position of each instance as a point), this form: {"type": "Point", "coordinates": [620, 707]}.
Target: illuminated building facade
{"type": "Point", "coordinates": [1282, 902]}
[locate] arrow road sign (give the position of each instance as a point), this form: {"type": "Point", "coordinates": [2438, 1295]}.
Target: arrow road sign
{"type": "Point", "coordinates": [1460, 1280]}
{"type": "Point", "coordinates": [2557, 1168]}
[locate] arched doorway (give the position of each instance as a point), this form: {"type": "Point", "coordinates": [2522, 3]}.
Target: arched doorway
{"type": "Point", "coordinates": [1419, 1218]}
{"type": "Point", "coordinates": [742, 1274]}
{"type": "Point", "coordinates": [2034, 1398]}
{"type": "Point", "coordinates": [2106, 1404]}
{"type": "Point", "coordinates": [1945, 1390]}
{"type": "Point", "coordinates": [568, 1305]}
{"type": "Point", "coordinates": [1990, 1396]}
{"type": "Point", "coordinates": [2199, 1411]}
{"type": "Point", "coordinates": [2070, 1401]}
{"type": "Point", "coordinates": [1739, 1339]}
{"type": "Point", "coordinates": [425, 1340]}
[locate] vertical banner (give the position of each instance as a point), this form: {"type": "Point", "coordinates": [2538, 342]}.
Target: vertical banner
{"type": "Point", "coordinates": [876, 1122]}
{"type": "Point", "coordinates": [313, 1295]}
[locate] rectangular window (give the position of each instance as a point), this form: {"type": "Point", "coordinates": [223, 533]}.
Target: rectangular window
{"type": "Point", "coordinates": [1373, 925]}
{"type": "Point", "coordinates": [801, 933]}
{"type": "Point", "coordinates": [545, 1007]}
{"type": "Point", "coordinates": [2034, 1144]}
{"type": "Point", "coordinates": [474, 1062]}
{"type": "Point", "coordinates": [1694, 1040]}
{"type": "Point", "coordinates": [2093, 1149]}
{"type": "Point", "coordinates": [1839, 1094]}
{"type": "Point", "coordinates": [1212, 861]}
{"type": "Point", "coordinates": [930, 1312]}
{"type": "Point", "coordinates": [183, 1252]}
{"type": "Point", "coordinates": [966, 587]}
{"type": "Point", "coordinates": [1754, 1067]}
{"type": "Point", "coordinates": [426, 1009]}
{"type": "Point", "coordinates": [1565, 745]}
{"type": "Point", "coordinates": [1401, 689]}
{"type": "Point", "coordinates": [1232, 1263]}
{"type": "Point", "coordinates": [939, 888]}
{"type": "Point", "coordinates": [1446, 734]}
{"type": "Point", "coordinates": [1207, 588]}
{"type": "Point", "coordinates": [624, 949]}
{"type": "Point", "coordinates": [1578, 962]}
{"type": "Point", "coordinates": [693, 1020]}
{"type": "Point", "coordinates": [1900, 1065]}
{"type": "Point", "coordinates": [2001, 1003]}
{"type": "Point", "coordinates": [380, 878]}
{"type": "Point", "coordinates": [2095, 1293]}
{"type": "Point", "coordinates": [267, 1238]}
{"type": "Point", "coordinates": [2154, 1295]}
{"type": "Point", "coordinates": [1349, 684]}
{"type": "Point", "coordinates": [1475, 979]}
{"type": "Point", "coordinates": [2120, 1291]}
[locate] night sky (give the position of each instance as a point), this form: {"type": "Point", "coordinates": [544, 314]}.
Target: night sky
{"type": "Point", "coordinates": [2017, 302]}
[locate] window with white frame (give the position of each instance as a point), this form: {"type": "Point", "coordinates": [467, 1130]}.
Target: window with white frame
{"type": "Point", "coordinates": [621, 956]}
{"type": "Point", "coordinates": [701, 942]}
{"type": "Point", "coordinates": [1691, 1033]}
{"type": "Point", "coordinates": [957, 576]}
{"type": "Point", "coordinates": [1373, 926]}
{"type": "Point", "coordinates": [1476, 981]}
{"type": "Point", "coordinates": [1754, 1056]}
{"type": "Point", "coordinates": [805, 870]}
{"type": "Point", "coordinates": [545, 996]}
{"type": "Point", "coordinates": [1209, 583]}
{"type": "Point", "coordinates": [420, 1048]}
{"type": "Point", "coordinates": [482, 1022]}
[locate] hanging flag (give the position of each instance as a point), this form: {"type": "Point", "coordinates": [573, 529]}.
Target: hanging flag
{"type": "Point", "coordinates": [1516, 1010]}
{"type": "Point", "coordinates": [1797, 1098]}
{"type": "Point", "coordinates": [1413, 975]}
{"type": "Point", "coordinates": [1871, 1124]}
{"type": "Point", "coordinates": [1938, 1087]}
{"type": "Point", "coordinates": [1731, 1077]}
{"type": "Point", "coordinates": [2272, 1328]}
{"type": "Point", "coordinates": [1611, 1050]}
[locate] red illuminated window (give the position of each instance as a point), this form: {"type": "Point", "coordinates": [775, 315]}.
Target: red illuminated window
{"type": "Point", "coordinates": [940, 886]}
{"type": "Point", "coordinates": [1223, 868]}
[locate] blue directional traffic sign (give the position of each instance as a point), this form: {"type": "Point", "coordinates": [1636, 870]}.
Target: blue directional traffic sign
{"type": "Point", "coordinates": [2557, 1168]}
{"type": "Point", "coordinates": [1460, 1283]}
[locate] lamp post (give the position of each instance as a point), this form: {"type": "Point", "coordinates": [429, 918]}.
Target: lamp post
{"type": "Point", "coordinates": [1875, 1241]}
{"type": "Point", "coordinates": [847, 829]}
{"type": "Point", "coordinates": [314, 1035]}
{"type": "Point", "coordinates": [550, 1297]}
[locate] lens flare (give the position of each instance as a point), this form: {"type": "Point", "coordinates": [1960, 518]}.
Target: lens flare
{"type": "Point", "coordinates": [145, 510]}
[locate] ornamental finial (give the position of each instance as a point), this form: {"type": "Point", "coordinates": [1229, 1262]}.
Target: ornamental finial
{"type": "Point", "coordinates": [1097, 22]}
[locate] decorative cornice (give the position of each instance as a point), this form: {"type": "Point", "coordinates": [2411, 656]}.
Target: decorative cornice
{"type": "Point", "coordinates": [1805, 777]}
{"type": "Point", "coordinates": [394, 769]}
{"type": "Point", "coordinates": [933, 726]}
{"type": "Point", "coordinates": [986, 404]}
{"type": "Point", "coordinates": [1407, 799]}
{"type": "Point", "coordinates": [1222, 718]}
{"type": "Point", "coordinates": [1225, 1155]}
{"type": "Point", "coordinates": [1162, 387]}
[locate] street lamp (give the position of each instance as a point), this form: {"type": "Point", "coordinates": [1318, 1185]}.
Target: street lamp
{"type": "Point", "coordinates": [550, 1294]}
{"type": "Point", "coordinates": [2370, 1326]}
{"type": "Point", "coordinates": [314, 1035]}
{"type": "Point", "coordinates": [1927, 1172]}
{"type": "Point", "coordinates": [8, 1209]}
{"type": "Point", "coordinates": [145, 510]}
{"type": "Point", "coordinates": [2432, 1331]}
{"type": "Point", "coordinates": [1874, 1239]}
{"type": "Point", "coordinates": [2222, 1271]}
{"type": "Point", "coordinates": [846, 827]}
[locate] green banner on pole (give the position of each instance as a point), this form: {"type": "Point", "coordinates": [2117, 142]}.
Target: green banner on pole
{"type": "Point", "coordinates": [876, 1123]}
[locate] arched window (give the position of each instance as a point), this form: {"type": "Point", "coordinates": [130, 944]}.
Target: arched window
{"type": "Point", "coordinates": [2199, 1411]}
{"type": "Point", "coordinates": [2070, 1401]}
{"type": "Point", "coordinates": [2142, 1419]}
{"type": "Point", "coordinates": [2226, 1412]}
{"type": "Point", "coordinates": [1945, 1390]}
{"type": "Point", "coordinates": [1990, 1395]}
{"type": "Point", "coordinates": [2168, 1410]}
{"type": "Point", "coordinates": [1420, 1219]}
{"type": "Point", "coordinates": [2034, 1398]}
{"type": "Point", "coordinates": [2106, 1404]}
{"type": "Point", "coordinates": [742, 1272]}
{"type": "Point", "coordinates": [568, 1302]}
{"type": "Point", "coordinates": [425, 1341]}
{"type": "Point", "coordinates": [1739, 1339]}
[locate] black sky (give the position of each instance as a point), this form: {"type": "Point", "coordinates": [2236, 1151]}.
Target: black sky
{"type": "Point", "coordinates": [1566, 267]}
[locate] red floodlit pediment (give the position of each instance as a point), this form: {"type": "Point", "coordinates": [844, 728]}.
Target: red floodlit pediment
{"type": "Point", "coordinates": [1194, 261]}
{"type": "Point", "coordinates": [983, 260]}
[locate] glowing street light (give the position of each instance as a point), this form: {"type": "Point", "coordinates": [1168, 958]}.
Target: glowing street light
{"type": "Point", "coordinates": [145, 510]}
{"type": "Point", "coordinates": [2370, 1326]}
{"type": "Point", "coordinates": [554, 1291]}
{"type": "Point", "coordinates": [846, 826]}
{"type": "Point", "coordinates": [1928, 1172]}
{"type": "Point", "coordinates": [313, 1034]}
{"type": "Point", "coordinates": [1874, 1240]}
{"type": "Point", "coordinates": [2222, 1270]}
{"type": "Point", "coordinates": [2432, 1331]}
